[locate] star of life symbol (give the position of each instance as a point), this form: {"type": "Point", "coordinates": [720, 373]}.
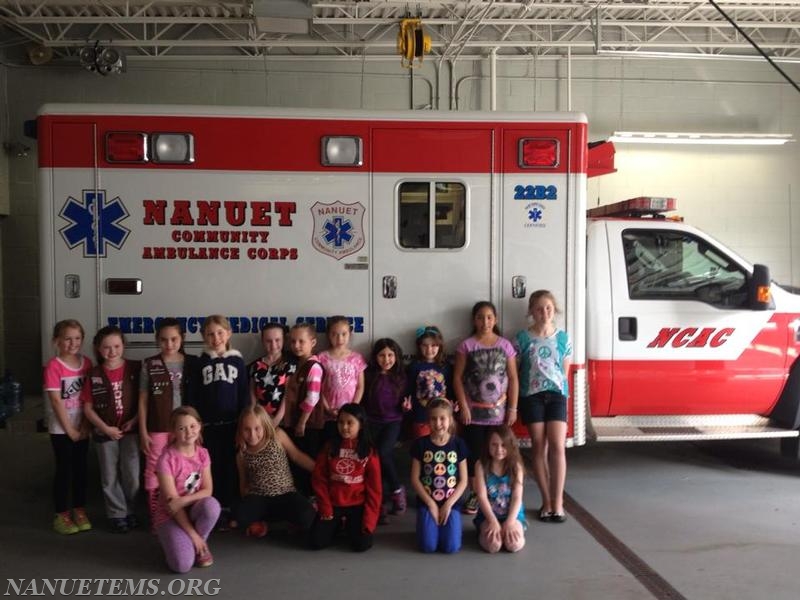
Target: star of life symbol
{"type": "Point", "coordinates": [338, 228]}
{"type": "Point", "coordinates": [535, 215]}
{"type": "Point", "coordinates": [94, 235]}
{"type": "Point", "coordinates": [338, 232]}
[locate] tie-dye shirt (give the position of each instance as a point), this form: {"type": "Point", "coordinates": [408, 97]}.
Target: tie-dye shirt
{"type": "Point", "coordinates": [542, 362]}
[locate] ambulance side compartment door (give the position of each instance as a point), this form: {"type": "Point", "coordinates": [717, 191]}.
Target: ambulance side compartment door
{"type": "Point", "coordinates": [71, 205]}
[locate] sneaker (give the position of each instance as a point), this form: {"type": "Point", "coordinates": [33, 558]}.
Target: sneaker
{"type": "Point", "coordinates": [204, 559]}
{"type": "Point", "coordinates": [132, 521]}
{"type": "Point", "coordinates": [64, 524]}
{"type": "Point", "coordinates": [81, 520]}
{"type": "Point", "coordinates": [383, 517]}
{"type": "Point", "coordinates": [258, 529]}
{"type": "Point", "coordinates": [119, 525]}
{"type": "Point", "coordinates": [471, 505]}
{"type": "Point", "coordinates": [224, 520]}
{"type": "Point", "coordinates": [399, 501]}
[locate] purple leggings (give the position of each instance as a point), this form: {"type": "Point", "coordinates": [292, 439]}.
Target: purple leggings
{"type": "Point", "coordinates": [178, 548]}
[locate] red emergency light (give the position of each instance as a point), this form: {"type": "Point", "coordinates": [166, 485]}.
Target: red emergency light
{"type": "Point", "coordinates": [126, 147]}
{"type": "Point", "coordinates": [634, 207]}
{"type": "Point", "coordinates": [538, 153]}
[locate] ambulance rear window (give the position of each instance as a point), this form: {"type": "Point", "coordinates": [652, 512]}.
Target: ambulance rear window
{"type": "Point", "coordinates": [431, 215]}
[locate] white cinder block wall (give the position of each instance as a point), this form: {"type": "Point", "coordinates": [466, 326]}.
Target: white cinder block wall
{"type": "Point", "coordinates": [747, 197]}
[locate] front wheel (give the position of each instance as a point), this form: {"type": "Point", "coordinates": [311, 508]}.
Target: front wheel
{"type": "Point", "coordinates": [786, 413]}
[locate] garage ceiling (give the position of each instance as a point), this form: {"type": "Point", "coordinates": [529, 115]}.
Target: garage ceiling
{"type": "Point", "coordinates": [56, 30]}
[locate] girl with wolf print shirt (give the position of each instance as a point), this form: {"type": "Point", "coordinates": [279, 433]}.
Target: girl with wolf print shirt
{"type": "Point", "coordinates": [485, 384]}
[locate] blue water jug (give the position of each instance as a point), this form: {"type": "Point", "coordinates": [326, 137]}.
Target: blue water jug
{"type": "Point", "coordinates": [3, 406]}
{"type": "Point", "coordinates": [12, 394]}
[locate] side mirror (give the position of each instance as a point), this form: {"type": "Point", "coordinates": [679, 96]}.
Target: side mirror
{"type": "Point", "coordinates": [759, 294]}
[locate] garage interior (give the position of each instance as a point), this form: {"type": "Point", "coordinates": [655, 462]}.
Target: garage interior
{"type": "Point", "coordinates": [724, 68]}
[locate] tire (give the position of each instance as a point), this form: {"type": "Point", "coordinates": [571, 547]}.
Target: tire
{"type": "Point", "coordinates": [786, 412]}
{"type": "Point", "coordinates": [790, 447]}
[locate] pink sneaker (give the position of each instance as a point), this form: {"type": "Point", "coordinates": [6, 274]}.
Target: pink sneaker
{"type": "Point", "coordinates": [399, 501]}
{"type": "Point", "coordinates": [204, 559]}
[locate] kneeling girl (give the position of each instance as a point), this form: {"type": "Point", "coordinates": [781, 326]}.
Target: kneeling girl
{"type": "Point", "coordinates": [439, 477]}
{"type": "Point", "coordinates": [347, 483]}
{"type": "Point", "coordinates": [265, 480]}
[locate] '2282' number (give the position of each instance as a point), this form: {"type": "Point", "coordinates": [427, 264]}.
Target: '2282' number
{"type": "Point", "coordinates": [535, 192]}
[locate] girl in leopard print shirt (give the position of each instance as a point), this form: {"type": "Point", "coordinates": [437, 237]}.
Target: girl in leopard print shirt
{"type": "Point", "coordinates": [267, 489]}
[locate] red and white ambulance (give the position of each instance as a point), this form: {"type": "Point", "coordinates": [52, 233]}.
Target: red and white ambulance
{"type": "Point", "coordinates": [399, 219]}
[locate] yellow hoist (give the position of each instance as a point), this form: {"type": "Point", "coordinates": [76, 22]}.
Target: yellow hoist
{"type": "Point", "coordinates": [412, 43]}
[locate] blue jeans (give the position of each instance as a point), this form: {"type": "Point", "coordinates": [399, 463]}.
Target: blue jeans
{"type": "Point", "coordinates": [384, 437]}
{"type": "Point", "coordinates": [432, 537]}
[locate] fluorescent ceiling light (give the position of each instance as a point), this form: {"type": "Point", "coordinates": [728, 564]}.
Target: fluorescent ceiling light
{"type": "Point", "coordinates": [282, 16]}
{"type": "Point", "coordinates": [736, 139]}
{"type": "Point", "coordinates": [689, 56]}
{"type": "Point", "coordinates": [282, 25]}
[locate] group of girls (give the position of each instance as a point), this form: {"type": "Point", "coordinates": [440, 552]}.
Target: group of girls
{"type": "Point", "coordinates": [308, 438]}
{"type": "Point", "coordinates": [84, 400]}
{"type": "Point", "coordinates": [494, 380]}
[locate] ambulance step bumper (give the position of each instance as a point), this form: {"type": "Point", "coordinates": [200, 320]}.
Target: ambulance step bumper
{"type": "Point", "coordinates": [687, 428]}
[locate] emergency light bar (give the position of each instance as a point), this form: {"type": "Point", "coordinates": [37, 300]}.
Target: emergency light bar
{"type": "Point", "coordinates": [635, 207]}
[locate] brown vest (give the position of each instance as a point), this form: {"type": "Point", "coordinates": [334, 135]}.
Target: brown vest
{"type": "Point", "coordinates": [103, 397]}
{"type": "Point", "coordinates": [159, 395]}
{"type": "Point", "coordinates": [296, 390]}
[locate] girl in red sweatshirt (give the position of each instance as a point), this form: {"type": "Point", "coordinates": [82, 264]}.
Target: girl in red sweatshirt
{"type": "Point", "coordinates": [347, 484]}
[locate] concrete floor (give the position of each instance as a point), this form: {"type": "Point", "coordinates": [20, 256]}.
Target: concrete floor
{"type": "Point", "coordinates": [714, 520]}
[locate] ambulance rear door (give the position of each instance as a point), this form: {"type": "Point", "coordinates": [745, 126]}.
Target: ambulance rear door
{"type": "Point", "coordinates": [432, 228]}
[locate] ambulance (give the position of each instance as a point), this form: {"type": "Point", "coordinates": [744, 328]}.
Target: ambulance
{"type": "Point", "coordinates": [400, 219]}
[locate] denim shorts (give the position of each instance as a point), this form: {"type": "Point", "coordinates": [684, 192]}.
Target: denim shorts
{"type": "Point", "coordinates": [542, 407]}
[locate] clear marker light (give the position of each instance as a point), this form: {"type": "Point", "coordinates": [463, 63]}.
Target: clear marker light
{"type": "Point", "coordinates": [338, 151]}
{"type": "Point", "coordinates": [173, 147]}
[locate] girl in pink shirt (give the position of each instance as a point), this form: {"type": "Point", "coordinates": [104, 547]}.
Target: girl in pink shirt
{"type": "Point", "coordinates": [64, 377]}
{"type": "Point", "coordinates": [344, 373]}
{"type": "Point", "coordinates": [187, 512]}
{"type": "Point", "coordinates": [303, 417]}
